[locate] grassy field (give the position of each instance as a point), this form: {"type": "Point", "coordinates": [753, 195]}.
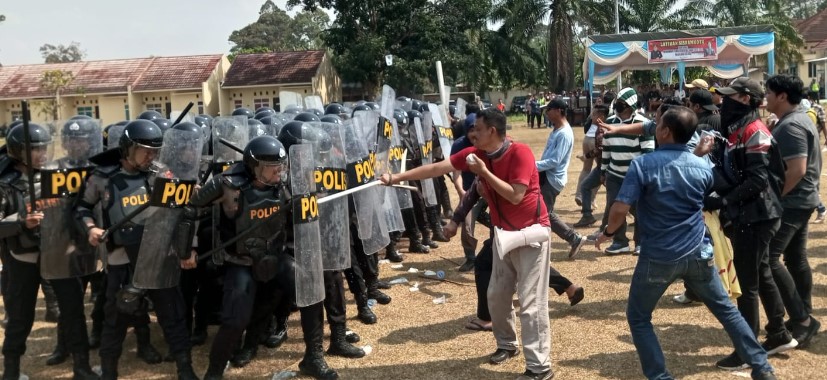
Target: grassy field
{"type": "Point", "coordinates": [418, 339]}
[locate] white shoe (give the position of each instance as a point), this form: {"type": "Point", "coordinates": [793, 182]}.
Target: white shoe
{"type": "Point", "coordinates": [637, 251]}
{"type": "Point", "coordinates": [820, 217]}
{"type": "Point", "coordinates": [682, 299]}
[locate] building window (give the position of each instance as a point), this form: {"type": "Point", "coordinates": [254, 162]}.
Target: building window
{"type": "Point", "coordinates": [237, 103]}
{"type": "Point", "coordinates": [88, 111]}
{"type": "Point", "coordinates": [126, 111]}
{"type": "Point", "coordinates": [812, 70]}
{"type": "Point", "coordinates": [16, 115]}
{"type": "Point", "coordinates": [200, 107]}
{"type": "Point", "coordinates": [155, 107]}
{"type": "Point", "coordinates": [258, 103]}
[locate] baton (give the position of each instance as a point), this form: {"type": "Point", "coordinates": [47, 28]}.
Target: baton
{"type": "Point", "coordinates": [230, 145]}
{"type": "Point", "coordinates": [241, 234]}
{"type": "Point", "coordinates": [349, 191]}
{"type": "Point", "coordinates": [123, 221]}
{"type": "Point", "coordinates": [406, 187]}
{"type": "Point", "coordinates": [184, 113]}
{"type": "Point", "coordinates": [27, 143]}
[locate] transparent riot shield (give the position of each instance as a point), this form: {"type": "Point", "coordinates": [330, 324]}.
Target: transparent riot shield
{"type": "Point", "coordinates": [158, 266]}
{"type": "Point", "coordinates": [444, 132]}
{"type": "Point", "coordinates": [404, 103]}
{"type": "Point", "coordinates": [330, 176]}
{"type": "Point", "coordinates": [64, 250]}
{"type": "Point", "coordinates": [371, 225]}
{"type": "Point", "coordinates": [233, 129]}
{"type": "Point", "coordinates": [289, 99]}
{"type": "Point", "coordinates": [188, 117]}
{"type": "Point", "coordinates": [460, 114]}
{"type": "Point", "coordinates": [314, 102]}
{"type": "Point", "coordinates": [307, 246]}
{"type": "Point", "coordinates": [396, 161]}
{"type": "Point", "coordinates": [424, 131]}
{"type": "Point", "coordinates": [115, 133]}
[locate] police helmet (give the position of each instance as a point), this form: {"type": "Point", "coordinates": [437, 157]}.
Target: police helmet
{"type": "Point", "coordinates": [414, 114]}
{"type": "Point", "coordinates": [188, 126]}
{"type": "Point", "coordinates": [241, 111]}
{"type": "Point", "coordinates": [143, 133]}
{"type": "Point", "coordinates": [162, 123]}
{"type": "Point", "coordinates": [150, 115]}
{"type": "Point", "coordinates": [80, 117]}
{"type": "Point", "coordinates": [307, 117]}
{"type": "Point", "coordinates": [263, 150]}
{"type": "Point", "coordinates": [315, 111]}
{"type": "Point", "coordinates": [416, 104]}
{"type": "Point", "coordinates": [208, 117]}
{"type": "Point", "coordinates": [16, 141]}
{"type": "Point", "coordinates": [401, 118]}
{"type": "Point", "coordinates": [335, 119]}
{"type": "Point", "coordinates": [360, 107]}
{"type": "Point", "coordinates": [452, 109]}
{"type": "Point", "coordinates": [265, 110]}
{"type": "Point", "coordinates": [79, 128]}
{"type": "Point", "coordinates": [334, 109]}
{"type": "Point", "coordinates": [263, 114]}
{"type": "Point", "coordinates": [296, 132]}
{"type": "Point", "coordinates": [423, 107]}
{"type": "Point", "coordinates": [293, 109]}
{"type": "Point", "coordinates": [373, 106]}
{"type": "Point", "coordinates": [403, 99]}
{"type": "Point", "coordinates": [256, 128]}
{"type": "Point", "coordinates": [201, 121]}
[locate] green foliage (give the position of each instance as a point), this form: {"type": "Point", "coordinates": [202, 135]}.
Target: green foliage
{"type": "Point", "coordinates": [275, 30]}
{"type": "Point", "coordinates": [61, 53]}
{"type": "Point", "coordinates": [54, 82]}
{"type": "Point", "coordinates": [255, 50]}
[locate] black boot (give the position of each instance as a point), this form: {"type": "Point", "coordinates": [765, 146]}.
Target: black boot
{"type": "Point", "coordinates": [81, 369]}
{"type": "Point", "coordinates": [52, 310]}
{"type": "Point", "coordinates": [279, 333]}
{"type": "Point", "coordinates": [352, 337]}
{"type": "Point", "coordinates": [364, 313]}
{"type": "Point", "coordinates": [246, 353]}
{"type": "Point", "coordinates": [60, 354]}
{"type": "Point", "coordinates": [146, 351]}
{"type": "Point", "coordinates": [436, 225]}
{"type": "Point", "coordinates": [183, 362]}
{"type": "Point", "coordinates": [109, 368]}
{"type": "Point", "coordinates": [215, 371]}
{"type": "Point", "coordinates": [415, 245]}
{"type": "Point", "coordinates": [426, 239]}
{"type": "Point", "coordinates": [412, 232]}
{"type": "Point", "coordinates": [95, 335]}
{"type": "Point", "coordinates": [314, 365]}
{"type": "Point", "coordinates": [392, 254]}
{"type": "Point", "coordinates": [339, 346]}
{"type": "Point", "coordinates": [375, 293]}
{"type": "Point", "coordinates": [11, 368]}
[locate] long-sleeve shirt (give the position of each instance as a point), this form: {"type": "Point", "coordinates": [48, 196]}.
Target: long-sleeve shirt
{"type": "Point", "coordinates": [620, 149]}
{"type": "Point", "coordinates": [556, 156]}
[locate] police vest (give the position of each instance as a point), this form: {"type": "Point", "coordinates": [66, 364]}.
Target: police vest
{"type": "Point", "coordinates": [16, 190]}
{"type": "Point", "coordinates": [260, 207]}
{"type": "Point", "coordinates": [127, 192]}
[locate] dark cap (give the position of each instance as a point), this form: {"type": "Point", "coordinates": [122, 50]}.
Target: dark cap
{"type": "Point", "coordinates": [703, 98]}
{"type": "Point", "coordinates": [742, 85]}
{"type": "Point", "coordinates": [556, 103]}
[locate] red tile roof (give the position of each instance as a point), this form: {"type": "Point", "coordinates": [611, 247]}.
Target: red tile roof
{"type": "Point", "coordinates": [170, 73]}
{"type": "Point", "coordinates": [274, 68]}
{"type": "Point", "coordinates": [814, 29]}
{"type": "Point", "coordinates": [112, 76]}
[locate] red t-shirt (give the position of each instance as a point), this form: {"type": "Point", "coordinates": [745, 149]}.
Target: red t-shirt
{"type": "Point", "coordinates": [516, 166]}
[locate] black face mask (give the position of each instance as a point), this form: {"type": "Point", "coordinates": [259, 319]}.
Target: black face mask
{"type": "Point", "coordinates": [619, 107]}
{"type": "Point", "coordinates": [732, 111]}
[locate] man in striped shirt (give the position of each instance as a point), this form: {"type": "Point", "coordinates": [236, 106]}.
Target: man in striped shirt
{"type": "Point", "coordinates": [618, 152]}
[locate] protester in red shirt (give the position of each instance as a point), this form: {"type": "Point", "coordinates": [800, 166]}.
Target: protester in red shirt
{"type": "Point", "coordinates": [501, 105]}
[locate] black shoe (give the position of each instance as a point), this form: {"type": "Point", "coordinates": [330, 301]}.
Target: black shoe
{"type": "Point", "coordinates": [215, 372]}
{"type": "Point", "coordinates": [501, 355]}
{"type": "Point", "coordinates": [59, 356]}
{"type": "Point", "coordinates": [381, 298]}
{"type": "Point", "coordinates": [149, 354]}
{"type": "Point", "coordinates": [81, 369]}
{"type": "Point", "coordinates": [365, 315]}
{"type": "Point", "coordinates": [767, 375]}
{"type": "Point", "coordinates": [183, 363]}
{"type": "Point", "coordinates": [732, 362]}
{"type": "Point", "coordinates": [804, 334]}
{"type": "Point", "coordinates": [277, 338]}
{"type": "Point", "coordinates": [11, 368]}
{"type": "Point", "coordinates": [382, 285]}
{"type": "Point", "coordinates": [778, 343]}
{"type": "Point", "coordinates": [109, 368]}
{"type": "Point", "coordinates": [352, 337]}
{"type": "Point", "coordinates": [528, 375]}
{"type": "Point", "coordinates": [339, 346]}
{"type": "Point", "coordinates": [393, 256]}
{"type": "Point", "coordinates": [467, 266]}
{"type": "Point", "coordinates": [577, 245]}
{"type": "Point", "coordinates": [317, 368]}
{"type": "Point", "coordinates": [428, 242]}
{"type": "Point", "coordinates": [418, 247]}
{"type": "Point", "coordinates": [199, 336]}
{"type": "Point", "coordinates": [585, 221]}
{"type": "Point", "coordinates": [243, 356]}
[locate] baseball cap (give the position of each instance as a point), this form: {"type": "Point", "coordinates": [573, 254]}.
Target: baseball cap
{"type": "Point", "coordinates": [703, 98]}
{"type": "Point", "coordinates": [698, 83]}
{"type": "Point", "coordinates": [556, 103]}
{"type": "Point", "coordinates": [628, 96]}
{"type": "Point", "coordinates": [742, 85]}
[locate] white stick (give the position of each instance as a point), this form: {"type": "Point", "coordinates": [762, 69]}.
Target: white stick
{"type": "Point", "coordinates": [443, 96]}
{"type": "Point", "coordinates": [349, 191]}
{"type": "Point", "coordinates": [406, 187]}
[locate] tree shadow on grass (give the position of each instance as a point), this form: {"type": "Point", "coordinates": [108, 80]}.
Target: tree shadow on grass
{"type": "Point", "coordinates": [427, 333]}
{"type": "Point", "coordinates": [460, 368]}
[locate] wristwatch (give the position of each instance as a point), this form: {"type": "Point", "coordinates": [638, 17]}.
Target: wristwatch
{"type": "Point", "coordinates": [606, 234]}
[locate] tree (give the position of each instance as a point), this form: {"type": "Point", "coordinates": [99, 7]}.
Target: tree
{"type": "Point", "coordinates": [54, 82]}
{"type": "Point", "coordinates": [275, 30]}
{"type": "Point", "coordinates": [659, 15]}
{"type": "Point", "coordinates": [61, 53]}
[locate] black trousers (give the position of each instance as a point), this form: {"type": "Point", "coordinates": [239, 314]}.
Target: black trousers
{"type": "Point", "coordinates": [72, 320]}
{"type": "Point", "coordinates": [420, 212]}
{"type": "Point", "coordinates": [19, 298]}
{"type": "Point", "coordinates": [169, 308]}
{"type": "Point", "coordinates": [795, 279]}
{"type": "Point", "coordinates": [247, 305]}
{"type": "Point", "coordinates": [202, 291]}
{"type": "Point", "coordinates": [750, 245]}
{"type": "Point", "coordinates": [334, 301]}
{"type": "Point", "coordinates": [364, 268]}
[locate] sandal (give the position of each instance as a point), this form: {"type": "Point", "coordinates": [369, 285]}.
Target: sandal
{"type": "Point", "coordinates": [477, 324]}
{"type": "Point", "coordinates": [577, 297]}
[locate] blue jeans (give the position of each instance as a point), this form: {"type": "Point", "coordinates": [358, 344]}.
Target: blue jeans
{"type": "Point", "coordinates": [588, 189]}
{"type": "Point", "coordinates": [650, 281]}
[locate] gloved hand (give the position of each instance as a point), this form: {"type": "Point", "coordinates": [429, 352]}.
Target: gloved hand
{"type": "Point", "coordinates": [713, 202]}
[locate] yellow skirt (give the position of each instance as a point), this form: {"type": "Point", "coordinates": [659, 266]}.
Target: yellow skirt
{"type": "Point", "coordinates": [723, 255]}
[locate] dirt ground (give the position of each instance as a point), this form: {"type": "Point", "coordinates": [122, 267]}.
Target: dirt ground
{"type": "Point", "coordinates": [418, 339]}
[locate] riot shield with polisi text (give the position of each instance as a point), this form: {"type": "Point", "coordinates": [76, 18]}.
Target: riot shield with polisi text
{"type": "Point", "coordinates": [439, 115]}
{"type": "Point", "coordinates": [330, 176]}
{"type": "Point", "coordinates": [424, 131]}
{"type": "Point", "coordinates": [307, 246]}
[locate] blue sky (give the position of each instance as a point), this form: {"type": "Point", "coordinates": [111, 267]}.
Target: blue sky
{"type": "Point", "coordinates": [108, 29]}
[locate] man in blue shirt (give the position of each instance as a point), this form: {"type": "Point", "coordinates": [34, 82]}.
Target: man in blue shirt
{"type": "Point", "coordinates": [668, 187]}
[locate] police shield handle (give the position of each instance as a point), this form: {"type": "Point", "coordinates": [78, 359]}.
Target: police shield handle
{"type": "Point", "coordinates": [123, 221]}
{"type": "Point", "coordinates": [349, 191]}
{"type": "Point", "coordinates": [27, 142]}
{"type": "Point", "coordinates": [34, 219]}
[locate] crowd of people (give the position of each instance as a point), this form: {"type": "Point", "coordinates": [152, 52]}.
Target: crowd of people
{"type": "Point", "coordinates": [239, 246]}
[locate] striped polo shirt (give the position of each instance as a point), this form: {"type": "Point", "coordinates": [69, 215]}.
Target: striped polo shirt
{"type": "Point", "coordinates": [619, 149]}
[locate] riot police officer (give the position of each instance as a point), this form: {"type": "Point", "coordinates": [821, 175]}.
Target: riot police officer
{"type": "Point", "coordinates": [19, 231]}
{"type": "Point", "coordinates": [121, 185]}
{"type": "Point", "coordinates": [258, 269]}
